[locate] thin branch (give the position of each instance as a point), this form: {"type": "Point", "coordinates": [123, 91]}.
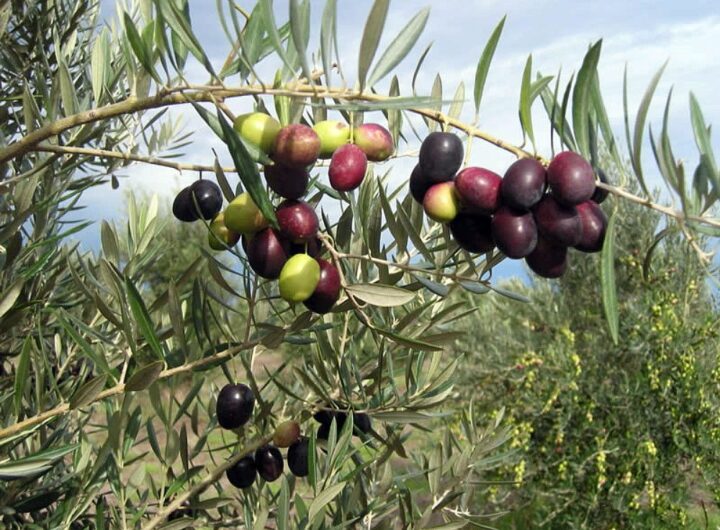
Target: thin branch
{"type": "Point", "coordinates": [184, 95]}
{"type": "Point", "coordinates": [162, 514]}
{"type": "Point", "coordinates": [102, 153]}
{"type": "Point", "coordinates": [658, 207]}
{"type": "Point", "coordinates": [120, 388]}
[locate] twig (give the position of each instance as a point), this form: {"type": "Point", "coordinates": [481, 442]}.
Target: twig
{"type": "Point", "coordinates": [120, 388]}
{"type": "Point", "coordinates": [102, 153]}
{"type": "Point", "coordinates": [658, 207]}
{"type": "Point", "coordinates": [162, 514]}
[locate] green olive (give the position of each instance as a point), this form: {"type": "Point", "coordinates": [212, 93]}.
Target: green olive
{"type": "Point", "coordinates": [299, 277]}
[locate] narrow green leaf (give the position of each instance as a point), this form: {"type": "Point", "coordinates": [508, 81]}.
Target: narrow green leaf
{"type": "Point", "coordinates": [100, 64]}
{"type": "Point", "coordinates": [300, 31]}
{"type": "Point", "coordinates": [400, 46]}
{"type": "Point", "coordinates": [395, 117]}
{"type": "Point", "coordinates": [371, 38]}
{"type": "Point", "coordinates": [526, 102]}
{"type": "Point", "coordinates": [581, 98]}
{"type": "Point", "coordinates": [380, 295]}
{"type": "Point", "coordinates": [87, 393]}
{"type": "Point", "coordinates": [434, 287]}
{"type": "Point", "coordinates": [419, 64]}
{"type": "Point", "coordinates": [484, 63]}
{"type": "Point", "coordinates": [323, 499]}
{"type": "Point", "coordinates": [607, 280]}
{"type": "Point", "coordinates": [109, 243]}
{"type": "Point", "coordinates": [475, 287]}
{"type": "Point", "coordinates": [180, 51]}
{"type": "Point", "coordinates": [268, 17]}
{"type": "Point", "coordinates": [283, 505]}
{"type": "Point", "coordinates": [702, 139]}
{"type": "Point", "coordinates": [222, 181]}
{"type": "Point", "coordinates": [97, 359]}
{"type": "Point", "coordinates": [144, 376]}
{"type": "Point", "coordinates": [34, 465]}
{"type": "Point", "coordinates": [21, 373]}
{"type": "Point", "coordinates": [509, 294]}
{"type": "Point", "coordinates": [67, 90]}
{"type": "Point", "coordinates": [404, 416]}
{"type": "Point", "coordinates": [436, 93]}
{"type": "Point", "coordinates": [639, 129]}
{"type": "Point", "coordinates": [10, 296]}
{"type": "Point", "coordinates": [176, 317]}
{"type": "Point", "coordinates": [247, 170]}
{"type": "Point", "coordinates": [409, 342]}
{"type": "Point", "coordinates": [604, 122]}
{"type": "Point", "coordinates": [142, 318]}
{"type": "Point", "coordinates": [181, 26]}
{"type": "Point", "coordinates": [328, 31]}
{"type": "Point", "coordinates": [458, 102]}
{"type": "Point", "coordinates": [139, 47]}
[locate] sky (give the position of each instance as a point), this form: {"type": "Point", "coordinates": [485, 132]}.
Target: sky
{"type": "Point", "coordinates": [639, 35]}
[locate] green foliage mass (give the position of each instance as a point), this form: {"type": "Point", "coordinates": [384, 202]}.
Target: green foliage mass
{"type": "Point", "coordinates": [607, 435]}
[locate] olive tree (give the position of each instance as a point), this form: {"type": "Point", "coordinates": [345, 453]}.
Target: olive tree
{"type": "Point", "coordinates": [110, 380]}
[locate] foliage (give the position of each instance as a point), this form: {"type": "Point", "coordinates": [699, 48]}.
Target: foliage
{"type": "Point", "coordinates": [111, 362]}
{"type": "Point", "coordinates": [608, 436]}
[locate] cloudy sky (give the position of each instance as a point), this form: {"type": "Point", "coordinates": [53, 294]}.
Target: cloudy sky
{"type": "Point", "coordinates": [641, 34]}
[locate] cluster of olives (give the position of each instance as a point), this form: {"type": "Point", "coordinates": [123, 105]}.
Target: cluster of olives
{"type": "Point", "coordinates": [532, 212]}
{"type": "Point", "coordinates": [325, 417]}
{"type": "Point", "coordinates": [234, 407]}
{"type": "Point", "coordinates": [291, 252]}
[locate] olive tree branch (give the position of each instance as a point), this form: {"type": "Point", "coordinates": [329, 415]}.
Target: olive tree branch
{"type": "Point", "coordinates": [216, 473]}
{"type": "Point", "coordinates": [102, 153]}
{"type": "Point", "coordinates": [120, 388]}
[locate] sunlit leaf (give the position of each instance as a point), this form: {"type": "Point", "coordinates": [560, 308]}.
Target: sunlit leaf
{"type": "Point", "coordinates": [371, 38]}
{"type": "Point", "coordinates": [483, 66]}
{"type": "Point", "coordinates": [607, 280]}
{"type": "Point", "coordinates": [400, 46]}
{"type": "Point", "coordinates": [581, 98]}
{"type": "Point", "coordinates": [380, 295]}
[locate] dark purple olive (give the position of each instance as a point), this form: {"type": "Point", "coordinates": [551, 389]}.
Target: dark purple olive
{"type": "Point", "coordinates": [514, 232]}
{"type": "Point", "coordinates": [362, 423]}
{"type": "Point", "coordinates": [234, 406]}
{"type": "Point", "coordinates": [557, 222]}
{"type": "Point", "coordinates": [243, 473]}
{"type": "Point", "coordinates": [473, 232]}
{"type": "Point", "coordinates": [183, 207]}
{"type": "Point", "coordinates": [547, 259]}
{"type": "Point", "coordinates": [419, 184]}
{"type": "Point", "coordinates": [571, 178]}
{"type": "Point", "coordinates": [288, 182]}
{"type": "Point", "coordinates": [441, 155]}
{"type": "Point", "coordinates": [297, 457]}
{"type": "Point", "coordinates": [269, 462]}
{"type": "Point", "coordinates": [208, 196]}
{"type": "Point", "coordinates": [594, 224]}
{"type": "Point", "coordinates": [523, 184]}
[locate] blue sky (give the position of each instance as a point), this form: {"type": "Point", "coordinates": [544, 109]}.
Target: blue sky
{"type": "Point", "coordinates": [641, 34]}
